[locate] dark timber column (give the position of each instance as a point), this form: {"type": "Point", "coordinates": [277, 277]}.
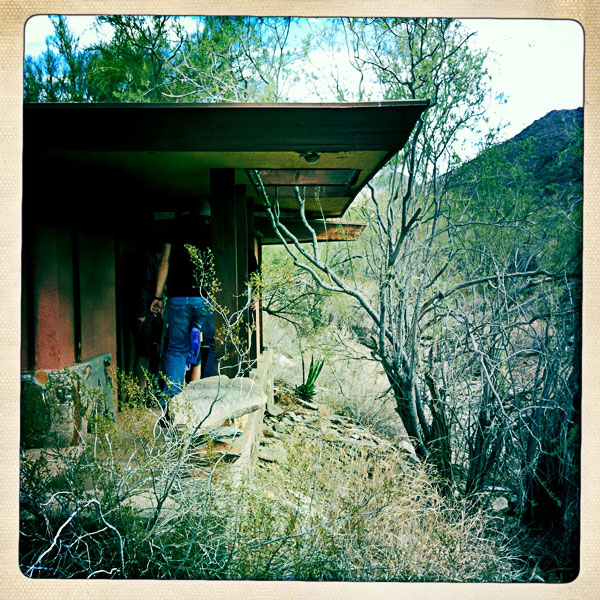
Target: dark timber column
{"type": "Point", "coordinates": [253, 266]}
{"type": "Point", "coordinates": [241, 220]}
{"type": "Point", "coordinates": [259, 325]}
{"type": "Point", "coordinates": [224, 247]}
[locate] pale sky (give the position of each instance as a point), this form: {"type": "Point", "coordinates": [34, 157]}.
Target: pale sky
{"type": "Point", "coordinates": [537, 64]}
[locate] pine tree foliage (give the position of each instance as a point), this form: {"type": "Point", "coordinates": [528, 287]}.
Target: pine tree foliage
{"type": "Point", "coordinates": [157, 59]}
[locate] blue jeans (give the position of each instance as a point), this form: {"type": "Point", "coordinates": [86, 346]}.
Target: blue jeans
{"type": "Point", "coordinates": [181, 314]}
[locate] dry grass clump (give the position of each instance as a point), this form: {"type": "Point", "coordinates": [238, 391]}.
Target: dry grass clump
{"type": "Point", "coordinates": [357, 514]}
{"type": "Point", "coordinates": [133, 503]}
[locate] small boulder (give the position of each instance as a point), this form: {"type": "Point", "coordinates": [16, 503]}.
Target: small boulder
{"type": "Point", "coordinates": [323, 410]}
{"type": "Point", "coordinates": [279, 427]}
{"type": "Point", "coordinates": [273, 410]}
{"type": "Point", "coordinates": [500, 504]}
{"type": "Point", "coordinates": [410, 450]}
{"type": "Point", "coordinates": [145, 504]}
{"type": "Point", "coordinates": [271, 454]}
{"type": "Point", "coordinates": [329, 435]}
{"type": "Point", "coordinates": [307, 404]}
{"type": "Point", "coordinates": [269, 433]}
{"type": "Point", "coordinates": [213, 400]}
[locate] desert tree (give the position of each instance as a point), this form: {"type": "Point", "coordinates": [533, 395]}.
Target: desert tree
{"type": "Point", "coordinates": [469, 278]}
{"type": "Point", "coordinates": [518, 330]}
{"type": "Point", "coordinates": [409, 59]}
{"type": "Point", "coordinates": [234, 58]}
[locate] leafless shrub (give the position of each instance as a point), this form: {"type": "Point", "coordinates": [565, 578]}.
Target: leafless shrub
{"type": "Point", "coordinates": [133, 503]}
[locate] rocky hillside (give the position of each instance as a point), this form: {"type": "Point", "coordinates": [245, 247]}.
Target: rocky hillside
{"type": "Point", "coordinates": [548, 154]}
{"type": "Point", "coordinates": [553, 129]}
{"type": "Point", "coordinates": [551, 148]}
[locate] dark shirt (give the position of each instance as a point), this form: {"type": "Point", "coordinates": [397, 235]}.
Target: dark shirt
{"type": "Point", "coordinates": [181, 280]}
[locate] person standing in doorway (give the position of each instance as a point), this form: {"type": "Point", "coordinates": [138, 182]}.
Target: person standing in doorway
{"type": "Point", "coordinates": [187, 304]}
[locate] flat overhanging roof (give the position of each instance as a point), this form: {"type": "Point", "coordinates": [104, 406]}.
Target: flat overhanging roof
{"type": "Point", "coordinates": [159, 156]}
{"type": "Point", "coordinates": [326, 230]}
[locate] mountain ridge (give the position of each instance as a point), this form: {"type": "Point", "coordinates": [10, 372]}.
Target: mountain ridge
{"type": "Point", "coordinates": [546, 156]}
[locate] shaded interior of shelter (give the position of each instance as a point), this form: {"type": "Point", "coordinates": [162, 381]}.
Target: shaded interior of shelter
{"type": "Point", "coordinates": [98, 179]}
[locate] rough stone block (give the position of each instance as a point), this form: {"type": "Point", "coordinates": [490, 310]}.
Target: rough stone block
{"type": "Point", "coordinates": [48, 412]}
{"type": "Point", "coordinates": [272, 454]}
{"type": "Point", "coordinates": [409, 450]}
{"type": "Point", "coordinates": [273, 410]}
{"type": "Point", "coordinates": [145, 504]}
{"type": "Point", "coordinates": [500, 505]}
{"type": "Point", "coordinates": [56, 405]}
{"type": "Point", "coordinates": [210, 402]}
{"type": "Point", "coordinates": [307, 404]}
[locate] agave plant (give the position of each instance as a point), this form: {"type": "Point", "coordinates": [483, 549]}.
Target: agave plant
{"type": "Point", "coordinates": [306, 390]}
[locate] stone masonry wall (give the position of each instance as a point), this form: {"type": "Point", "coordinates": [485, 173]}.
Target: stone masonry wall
{"type": "Point", "coordinates": [57, 405]}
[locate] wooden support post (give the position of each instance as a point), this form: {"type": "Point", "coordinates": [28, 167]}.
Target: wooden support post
{"type": "Point", "coordinates": [241, 219]}
{"type": "Point", "coordinates": [253, 337]}
{"type": "Point", "coordinates": [224, 247]}
{"type": "Point", "coordinates": [259, 324]}
{"type": "Point", "coordinates": [241, 223]}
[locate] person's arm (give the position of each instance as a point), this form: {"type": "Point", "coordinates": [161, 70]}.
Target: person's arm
{"type": "Point", "coordinates": [161, 279]}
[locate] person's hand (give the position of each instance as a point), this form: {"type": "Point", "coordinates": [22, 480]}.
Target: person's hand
{"type": "Point", "coordinates": [156, 308]}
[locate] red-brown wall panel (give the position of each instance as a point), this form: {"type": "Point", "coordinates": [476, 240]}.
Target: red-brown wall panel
{"type": "Point", "coordinates": [97, 294]}
{"type": "Point", "coordinates": [52, 264]}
